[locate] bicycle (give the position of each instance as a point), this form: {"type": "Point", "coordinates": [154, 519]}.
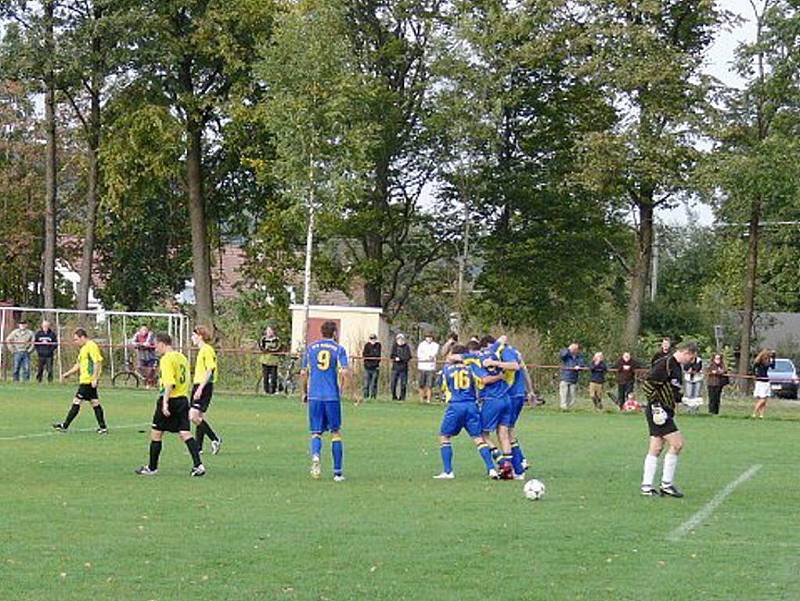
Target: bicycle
{"type": "Point", "coordinates": [287, 377]}
{"type": "Point", "coordinates": [129, 376]}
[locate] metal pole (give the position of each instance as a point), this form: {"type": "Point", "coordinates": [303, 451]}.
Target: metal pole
{"type": "Point", "coordinates": [110, 344]}
{"type": "Point", "coordinates": [2, 341]}
{"type": "Point", "coordinates": [309, 250]}
{"type": "Point", "coordinates": [58, 348]}
{"type": "Point", "coordinates": [125, 339]}
{"type": "Point", "coordinates": [654, 271]}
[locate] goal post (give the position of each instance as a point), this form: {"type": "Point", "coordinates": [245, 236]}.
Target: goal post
{"type": "Point", "coordinates": [112, 330]}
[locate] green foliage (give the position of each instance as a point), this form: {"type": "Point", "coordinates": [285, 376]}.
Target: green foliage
{"type": "Point", "coordinates": [143, 230]}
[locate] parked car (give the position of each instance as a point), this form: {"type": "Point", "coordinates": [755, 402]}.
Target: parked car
{"type": "Point", "coordinates": [783, 379]}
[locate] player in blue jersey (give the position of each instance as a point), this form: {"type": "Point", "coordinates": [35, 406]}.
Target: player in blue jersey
{"type": "Point", "coordinates": [459, 385]}
{"type": "Point", "coordinates": [520, 390]}
{"type": "Point", "coordinates": [323, 362]}
{"type": "Point", "coordinates": [496, 411]}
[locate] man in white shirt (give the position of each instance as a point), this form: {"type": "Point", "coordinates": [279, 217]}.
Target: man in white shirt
{"type": "Point", "coordinates": [427, 351]}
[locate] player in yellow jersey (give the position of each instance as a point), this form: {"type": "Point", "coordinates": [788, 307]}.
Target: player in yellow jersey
{"type": "Point", "coordinates": [172, 407]}
{"type": "Point", "coordinates": [89, 367]}
{"type": "Point", "coordinates": [205, 375]}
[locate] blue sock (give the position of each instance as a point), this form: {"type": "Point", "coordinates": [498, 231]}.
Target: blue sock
{"type": "Point", "coordinates": [447, 457]}
{"type": "Point", "coordinates": [316, 445]}
{"type": "Point", "coordinates": [515, 448]}
{"type": "Point", "coordinates": [338, 453]}
{"type": "Point", "coordinates": [486, 455]}
{"type": "Point", "coordinates": [516, 459]}
{"type": "Point", "coordinates": [496, 454]}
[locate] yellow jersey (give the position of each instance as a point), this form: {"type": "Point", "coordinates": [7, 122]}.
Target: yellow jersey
{"type": "Point", "coordinates": [174, 367]}
{"type": "Point", "coordinates": [89, 360]}
{"type": "Point", "coordinates": [206, 361]}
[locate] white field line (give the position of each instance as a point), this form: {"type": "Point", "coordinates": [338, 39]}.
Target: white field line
{"type": "Point", "coordinates": [55, 433]}
{"type": "Point", "coordinates": [705, 512]}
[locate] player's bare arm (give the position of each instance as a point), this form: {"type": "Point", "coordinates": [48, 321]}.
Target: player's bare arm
{"type": "Point", "coordinates": [165, 400]}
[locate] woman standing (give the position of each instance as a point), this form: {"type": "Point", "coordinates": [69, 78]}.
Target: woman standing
{"type": "Point", "coordinates": [717, 380]}
{"type": "Point", "coordinates": [765, 360]}
{"type": "Point", "coordinates": [270, 347]}
{"type": "Point", "coordinates": [597, 377]}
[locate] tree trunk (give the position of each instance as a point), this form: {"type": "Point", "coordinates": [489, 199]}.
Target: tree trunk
{"type": "Point", "coordinates": [51, 189]}
{"type": "Point", "coordinates": [93, 184]}
{"type": "Point", "coordinates": [201, 256]}
{"type": "Point", "coordinates": [749, 287]}
{"type": "Point", "coordinates": [93, 133]}
{"type": "Point", "coordinates": [373, 240]}
{"type": "Point", "coordinates": [641, 268]}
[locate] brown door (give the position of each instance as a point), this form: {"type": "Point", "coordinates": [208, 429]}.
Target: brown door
{"type": "Point", "coordinates": [314, 323]}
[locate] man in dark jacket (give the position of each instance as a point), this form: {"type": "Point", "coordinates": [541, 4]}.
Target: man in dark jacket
{"type": "Point", "coordinates": [45, 342]}
{"type": "Point", "coordinates": [664, 351]}
{"type": "Point", "coordinates": [571, 362]}
{"type": "Point", "coordinates": [400, 356]}
{"type": "Point", "coordinates": [372, 364]}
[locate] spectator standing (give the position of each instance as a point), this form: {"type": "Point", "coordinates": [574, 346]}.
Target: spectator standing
{"type": "Point", "coordinates": [571, 362]}
{"type": "Point", "coordinates": [597, 377]}
{"type": "Point", "coordinates": [693, 378]}
{"type": "Point", "coordinates": [427, 351]}
{"type": "Point", "coordinates": [45, 341]}
{"type": "Point", "coordinates": [270, 347]}
{"type": "Point", "coordinates": [717, 380]}
{"type": "Point", "coordinates": [452, 340]}
{"type": "Point", "coordinates": [626, 377]}
{"type": "Point", "coordinates": [400, 356]}
{"type": "Point", "coordinates": [663, 351]}
{"type": "Point", "coordinates": [145, 343]}
{"type": "Point", "coordinates": [765, 360]}
{"type": "Point", "coordinates": [20, 345]}
{"type": "Point", "coordinates": [372, 365]}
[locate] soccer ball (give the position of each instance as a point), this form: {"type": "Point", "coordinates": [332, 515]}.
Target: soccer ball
{"type": "Point", "coordinates": [533, 490]}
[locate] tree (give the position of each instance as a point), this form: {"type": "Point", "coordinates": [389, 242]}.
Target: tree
{"type": "Point", "coordinates": [754, 164]}
{"type": "Point", "coordinates": [34, 57]}
{"type": "Point", "coordinates": [21, 195]}
{"type": "Point", "coordinates": [646, 58]}
{"type": "Point", "coordinates": [196, 55]}
{"type": "Point", "coordinates": [516, 113]}
{"type": "Point", "coordinates": [91, 30]}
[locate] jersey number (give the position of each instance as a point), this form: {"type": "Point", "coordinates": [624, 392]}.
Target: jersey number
{"type": "Point", "coordinates": [323, 360]}
{"type": "Point", "coordinates": [461, 380]}
{"type": "Point", "coordinates": [182, 376]}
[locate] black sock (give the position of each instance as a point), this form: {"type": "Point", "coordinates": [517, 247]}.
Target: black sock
{"type": "Point", "coordinates": [209, 432]}
{"type": "Point", "coordinates": [71, 414]}
{"type": "Point", "coordinates": [98, 413]}
{"type": "Point", "coordinates": [155, 451]}
{"type": "Point", "coordinates": [199, 434]}
{"type": "Point", "coordinates": [191, 444]}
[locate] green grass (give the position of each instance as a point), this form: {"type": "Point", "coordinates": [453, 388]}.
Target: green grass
{"type": "Point", "coordinates": [76, 523]}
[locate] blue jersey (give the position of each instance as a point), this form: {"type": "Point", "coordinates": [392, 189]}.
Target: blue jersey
{"type": "Point", "coordinates": [323, 359]}
{"type": "Point", "coordinates": [458, 383]}
{"type": "Point", "coordinates": [515, 379]}
{"type": "Point", "coordinates": [497, 389]}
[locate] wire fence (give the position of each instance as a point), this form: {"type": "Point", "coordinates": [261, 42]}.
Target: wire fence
{"type": "Point", "coordinates": [241, 368]}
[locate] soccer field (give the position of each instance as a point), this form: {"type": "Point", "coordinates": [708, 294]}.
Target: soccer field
{"type": "Point", "coordinates": [76, 523]}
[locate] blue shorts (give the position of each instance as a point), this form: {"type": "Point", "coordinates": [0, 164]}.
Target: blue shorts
{"type": "Point", "coordinates": [517, 404]}
{"type": "Point", "coordinates": [461, 415]}
{"type": "Point", "coordinates": [496, 412]}
{"type": "Point", "coordinates": [324, 416]}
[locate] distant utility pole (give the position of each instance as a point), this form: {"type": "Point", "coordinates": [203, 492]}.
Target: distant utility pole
{"type": "Point", "coordinates": [654, 270]}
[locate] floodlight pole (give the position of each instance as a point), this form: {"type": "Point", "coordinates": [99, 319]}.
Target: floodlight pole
{"type": "Point", "coordinates": [309, 250]}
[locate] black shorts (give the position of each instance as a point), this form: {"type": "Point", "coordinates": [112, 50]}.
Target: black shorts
{"type": "Point", "coordinates": [205, 399]}
{"type": "Point", "coordinates": [178, 420]}
{"type": "Point", "coordinates": [86, 392]}
{"type": "Point", "coordinates": [426, 378]}
{"type": "Point", "coordinates": [668, 427]}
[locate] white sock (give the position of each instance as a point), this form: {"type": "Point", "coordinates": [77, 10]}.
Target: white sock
{"type": "Point", "coordinates": [650, 465]}
{"type": "Point", "coordinates": [670, 465]}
